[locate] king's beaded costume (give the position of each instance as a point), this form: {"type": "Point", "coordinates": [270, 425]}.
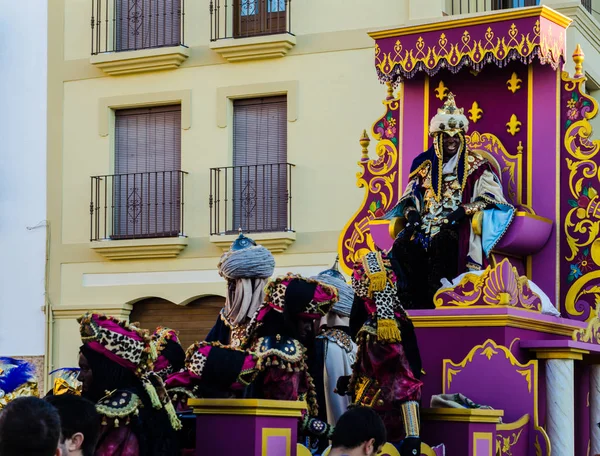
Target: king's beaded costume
{"type": "Point", "coordinates": [452, 213]}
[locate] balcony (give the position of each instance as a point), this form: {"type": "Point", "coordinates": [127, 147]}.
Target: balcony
{"type": "Point", "coordinates": [481, 6]}
{"type": "Point", "coordinates": [251, 29]}
{"type": "Point", "coordinates": [256, 199]}
{"type": "Point", "coordinates": [132, 36]}
{"type": "Point", "coordinates": [141, 214]}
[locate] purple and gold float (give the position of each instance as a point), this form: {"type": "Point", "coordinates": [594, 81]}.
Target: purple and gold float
{"type": "Point", "coordinates": [522, 336]}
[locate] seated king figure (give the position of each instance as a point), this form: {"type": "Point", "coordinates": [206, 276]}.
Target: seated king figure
{"type": "Point", "coordinates": [451, 215]}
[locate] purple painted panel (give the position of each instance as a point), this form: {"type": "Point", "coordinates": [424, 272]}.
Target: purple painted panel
{"type": "Point", "coordinates": [414, 125]}
{"type": "Point", "coordinates": [213, 434]}
{"type": "Point", "coordinates": [579, 201]}
{"type": "Point", "coordinates": [543, 168]}
{"type": "Point", "coordinates": [515, 441]}
{"type": "Point", "coordinates": [486, 88]}
{"type": "Point", "coordinates": [483, 447]}
{"type": "Point", "coordinates": [457, 436]}
{"type": "Point", "coordinates": [277, 446]}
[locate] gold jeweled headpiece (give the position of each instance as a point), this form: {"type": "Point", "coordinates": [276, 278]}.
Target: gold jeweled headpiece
{"type": "Point", "coordinates": [449, 119]}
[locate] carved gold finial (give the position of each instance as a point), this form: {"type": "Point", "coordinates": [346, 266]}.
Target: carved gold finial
{"type": "Point", "coordinates": [520, 148]}
{"type": "Point", "coordinates": [390, 91]}
{"type": "Point", "coordinates": [514, 125]}
{"type": "Point", "coordinates": [441, 90]}
{"type": "Point", "coordinates": [364, 142]}
{"type": "Point", "coordinates": [514, 83]}
{"type": "Point", "coordinates": [578, 58]}
{"type": "Point", "coordinates": [476, 113]}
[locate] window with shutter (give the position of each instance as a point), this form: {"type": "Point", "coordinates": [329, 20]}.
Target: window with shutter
{"type": "Point", "coordinates": [260, 173]}
{"type": "Point", "coordinates": [258, 17]}
{"type": "Point", "coordinates": [147, 182]}
{"type": "Point", "coordinates": [143, 24]}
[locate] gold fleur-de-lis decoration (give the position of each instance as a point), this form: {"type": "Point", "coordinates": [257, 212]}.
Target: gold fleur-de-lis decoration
{"type": "Point", "coordinates": [441, 90]}
{"type": "Point", "coordinates": [514, 83]}
{"type": "Point", "coordinates": [514, 125]}
{"type": "Point", "coordinates": [476, 113]}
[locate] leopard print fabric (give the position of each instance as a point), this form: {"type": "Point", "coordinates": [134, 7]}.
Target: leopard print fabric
{"type": "Point", "coordinates": [196, 363]}
{"type": "Point", "coordinates": [121, 345]}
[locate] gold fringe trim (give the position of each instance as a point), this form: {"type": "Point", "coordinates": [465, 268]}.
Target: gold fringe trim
{"type": "Point", "coordinates": [387, 331]}
{"type": "Point", "coordinates": [377, 279]}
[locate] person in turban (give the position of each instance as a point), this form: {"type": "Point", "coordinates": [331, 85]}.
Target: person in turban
{"type": "Point", "coordinates": [247, 268]}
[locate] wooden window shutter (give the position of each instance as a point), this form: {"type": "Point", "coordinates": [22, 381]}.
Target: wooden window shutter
{"type": "Point", "coordinates": [260, 174]}
{"type": "Point", "coordinates": [147, 181]}
{"type": "Point", "coordinates": [143, 24]}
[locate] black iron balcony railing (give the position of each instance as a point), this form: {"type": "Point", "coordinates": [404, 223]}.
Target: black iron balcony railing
{"type": "Point", "coordinates": [245, 18]}
{"type": "Point", "coordinates": [128, 25]}
{"type": "Point", "coordinates": [137, 205]}
{"type": "Point", "coordinates": [480, 6]}
{"type": "Point", "coordinates": [587, 4]}
{"type": "Point", "coordinates": [255, 198]}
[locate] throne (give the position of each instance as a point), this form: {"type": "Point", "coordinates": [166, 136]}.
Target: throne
{"type": "Point", "coordinates": [531, 121]}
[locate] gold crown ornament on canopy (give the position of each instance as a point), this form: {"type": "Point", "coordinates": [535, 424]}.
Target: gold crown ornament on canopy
{"type": "Point", "coordinates": [449, 119]}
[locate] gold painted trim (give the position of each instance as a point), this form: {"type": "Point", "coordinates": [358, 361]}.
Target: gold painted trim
{"type": "Point", "coordinates": [248, 407]}
{"type": "Point", "coordinates": [557, 205]}
{"type": "Point", "coordinates": [462, 415]}
{"type": "Point", "coordinates": [277, 432]}
{"type": "Point", "coordinates": [226, 94]}
{"type": "Point", "coordinates": [426, 113]}
{"type": "Point", "coordinates": [575, 354]}
{"type": "Point", "coordinates": [533, 216]}
{"type": "Point", "coordinates": [529, 134]}
{"type": "Point", "coordinates": [488, 437]}
{"type": "Point", "coordinates": [511, 321]}
{"type": "Point", "coordinates": [514, 425]}
{"type": "Point", "coordinates": [513, 14]}
{"type": "Point", "coordinates": [106, 106]}
{"type": "Point", "coordinates": [379, 222]}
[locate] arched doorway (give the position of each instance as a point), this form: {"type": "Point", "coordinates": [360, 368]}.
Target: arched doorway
{"type": "Point", "coordinates": [193, 321]}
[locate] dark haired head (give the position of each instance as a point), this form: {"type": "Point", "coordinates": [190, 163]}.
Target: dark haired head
{"type": "Point", "coordinates": [358, 426]}
{"type": "Point", "coordinates": [106, 375]}
{"type": "Point", "coordinates": [78, 416]}
{"type": "Point", "coordinates": [29, 427]}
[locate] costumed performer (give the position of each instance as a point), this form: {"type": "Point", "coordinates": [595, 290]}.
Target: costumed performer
{"type": "Point", "coordinates": [274, 366]}
{"type": "Point", "coordinates": [386, 375]}
{"type": "Point", "coordinates": [451, 215]}
{"type": "Point", "coordinates": [167, 352]}
{"type": "Point", "coordinates": [246, 267]}
{"type": "Point", "coordinates": [116, 374]}
{"type": "Point", "coordinates": [335, 351]}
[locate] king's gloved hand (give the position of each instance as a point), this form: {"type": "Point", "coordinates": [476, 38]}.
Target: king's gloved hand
{"type": "Point", "coordinates": [341, 387]}
{"type": "Point", "coordinates": [413, 221]}
{"type": "Point", "coordinates": [410, 446]}
{"type": "Point", "coordinates": [454, 217]}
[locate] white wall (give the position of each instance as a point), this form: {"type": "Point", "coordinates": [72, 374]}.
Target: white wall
{"type": "Point", "coordinates": [23, 41]}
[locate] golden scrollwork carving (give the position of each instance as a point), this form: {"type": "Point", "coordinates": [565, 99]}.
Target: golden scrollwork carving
{"type": "Point", "coordinates": [582, 214]}
{"type": "Point", "coordinates": [505, 444]}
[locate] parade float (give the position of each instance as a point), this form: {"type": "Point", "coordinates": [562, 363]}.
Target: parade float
{"type": "Point", "coordinates": [521, 337]}
{"type": "Point", "coordinates": [491, 337]}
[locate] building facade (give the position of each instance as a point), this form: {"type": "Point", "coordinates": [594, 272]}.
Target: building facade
{"type": "Point", "coordinates": [23, 176]}
{"type": "Point", "coordinates": [172, 124]}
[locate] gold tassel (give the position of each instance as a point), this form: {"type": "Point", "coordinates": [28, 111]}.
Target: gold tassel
{"type": "Point", "coordinates": [116, 422]}
{"type": "Point", "coordinates": [387, 331]}
{"type": "Point", "coordinates": [175, 422]}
